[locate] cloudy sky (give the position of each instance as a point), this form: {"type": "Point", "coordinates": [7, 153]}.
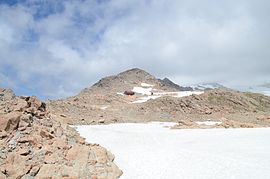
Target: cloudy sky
{"type": "Point", "coordinates": [55, 48]}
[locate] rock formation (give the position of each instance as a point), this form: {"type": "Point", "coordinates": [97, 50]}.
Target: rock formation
{"type": "Point", "coordinates": [168, 82]}
{"type": "Point", "coordinates": [35, 145]}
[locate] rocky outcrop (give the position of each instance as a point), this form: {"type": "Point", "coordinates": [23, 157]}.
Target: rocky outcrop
{"type": "Point", "coordinates": [6, 94]}
{"type": "Point", "coordinates": [168, 82]}
{"type": "Point", "coordinates": [34, 145]}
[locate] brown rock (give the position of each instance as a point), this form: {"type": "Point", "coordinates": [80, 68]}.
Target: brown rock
{"type": "Point", "coordinates": [263, 118]}
{"type": "Point", "coordinates": [49, 171]}
{"type": "Point", "coordinates": [28, 118]}
{"type": "Point", "coordinates": [50, 159]}
{"type": "Point", "coordinates": [20, 105]}
{"type": "Point", "coordinates": [208, 111]}
{"type": "Point", "coordinates": [74, 152]}
{"type": "Point", "coordinates": [94, 177]}
{"type": "Point", "coordinates": [32, 110]}
{"type": "Point", "coordinates": [63, 115]}
{"type": "Point", "coordinates": [37, 146]}
{"type": "Point", "coordinates": [46, 134]}
{"type": "Point", "coordinates": [61, 144]}
{"type": "Point", "coordinates": [10, 121]}
{"type": "Point", "coordinates": [27, 139]}
{"type": "Point", "coordinates": [23, 124]}
{"type": "Point", "coordinates": [34, 102]}
{"type": "Point", "coordinates": [20, 169]}
{"type": "Point", "coordinates": [101, 154]}
{"type": "Point", "coordinates": [34, 171]}
{"type": "Point", "coordinates": [80, 140]}
{"type": "Point", "coordinates": [6, 94]}
{"type": "Point", "coordinates": [3, 134]}
{"type": "Point", "coordinates": [2, 176]}
{"type": "Point", "coordinates": [101, 121]}
{"type": "Point", "coordinates": [24, 151]}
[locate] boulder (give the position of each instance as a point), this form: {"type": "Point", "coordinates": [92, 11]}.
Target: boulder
{"type": "Point", "coordinates": [10, 121]}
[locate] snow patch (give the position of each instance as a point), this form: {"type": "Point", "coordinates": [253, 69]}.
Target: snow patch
{"type": "Point", "coordinates": [188, 93]}
{"type": "Point", "coordinates": [143, 91]}
{"type": "Point", "coordinates": [122, 94]}
{"type": "Point", "coordinates": [104, 107]}
{"type": "Point", "coordinates": [159, 94]}
{"type": "Point", "coordinates": [146, 85]}
{"type": "Point", "coordinates": [209, 123]}
{"type": "Point", "coordinates": [152, 151]}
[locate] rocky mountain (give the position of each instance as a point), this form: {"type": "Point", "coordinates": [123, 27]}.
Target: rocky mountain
{"type": "Point", "coordinates": [126, 81]}
{"type": "Point", "coordinates": [208, 86]}
{"type": "Point", "coordinates": [34, 144]}
{"type": "Point", "coordinates": [168, 82]}
{"type": "Point", "coordinates": [108, 93]}
{"type": "Point", "coordinates": [157, 100]}
{"type": "Point", "coordinates": [266, 85]}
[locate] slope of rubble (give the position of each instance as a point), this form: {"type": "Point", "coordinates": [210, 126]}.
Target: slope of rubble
{"type": "Point", "coordinates": [219, 100]}
{"type": "Point", "coordinates": [35, 145]}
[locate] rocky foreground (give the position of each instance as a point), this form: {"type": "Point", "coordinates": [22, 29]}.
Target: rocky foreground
{"type": "Point", "coordinates": [35, 145]}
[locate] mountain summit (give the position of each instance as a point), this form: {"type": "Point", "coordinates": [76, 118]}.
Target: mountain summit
{"type": "Point", "coordinates": [127, 80]}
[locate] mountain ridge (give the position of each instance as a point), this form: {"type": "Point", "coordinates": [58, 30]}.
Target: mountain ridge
{"type": "Point", "coordinates": [156, 101]}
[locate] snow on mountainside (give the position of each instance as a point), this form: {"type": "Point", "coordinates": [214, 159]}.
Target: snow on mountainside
{"type": "Point", "coordinates": [207, 86]}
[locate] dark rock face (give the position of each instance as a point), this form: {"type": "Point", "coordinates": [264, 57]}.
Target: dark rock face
{"type": "Point", "coordinates": [34, 145]}
{"type": "Point", "coordinates": [168, 82]}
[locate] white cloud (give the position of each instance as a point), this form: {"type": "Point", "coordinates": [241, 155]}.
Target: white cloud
{"type": "Point", "coordinates": [69, 45]}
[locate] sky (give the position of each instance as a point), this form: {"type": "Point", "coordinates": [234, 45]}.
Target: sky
{"type": "Point", "coordinates": [55, 48]}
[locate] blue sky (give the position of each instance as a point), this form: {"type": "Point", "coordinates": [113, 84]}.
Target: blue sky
{"type": "Point", "coordinates": [55, 48]}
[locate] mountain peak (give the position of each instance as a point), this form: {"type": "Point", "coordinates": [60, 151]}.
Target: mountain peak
{"type": "Point", "coordinates": [135, 71]}
{"type": "Point", "coordinates": [167, 82]}
{"type": "Point", "coordinates": [127, 80]}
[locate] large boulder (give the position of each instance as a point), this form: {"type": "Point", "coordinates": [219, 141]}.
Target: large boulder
{"type": "Point", "coordinates": [10, 121]}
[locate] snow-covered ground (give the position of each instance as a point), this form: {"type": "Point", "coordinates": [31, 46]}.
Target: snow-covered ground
{"type": "Point", "coordinates": [177, 94]}
{"type": "Point", "coordinates": [150, 151]}
{"type": "Point", "coordinates": [209, 123]}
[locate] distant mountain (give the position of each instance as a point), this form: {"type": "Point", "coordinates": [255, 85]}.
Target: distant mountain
{"type": "Point", "coordinates": [263, 89]}
{"type": "Point", "coordinates": [266, 85]}
{"type": "Point", "coordinates": [168, 82]}
{"type": "Point", "coordinates": [129, 79]}
{"type": "Point", "coordinates": [207, 86]}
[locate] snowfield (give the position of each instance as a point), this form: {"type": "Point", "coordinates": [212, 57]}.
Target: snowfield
{"type": "Point", "coordinates": [151, 151]}
{"type": "Point", "coordinates": [147, 92]}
